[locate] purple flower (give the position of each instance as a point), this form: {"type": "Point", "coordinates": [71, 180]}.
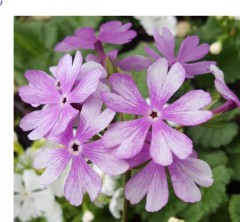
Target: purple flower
{"type": "Point", "coordinates": [57, 94]}
{"type": "Point", "coordinates": [189, 52]}
{"type": "Point", "coordinates": [221, 86]}
{"type": "Point", "coordinates": [130, 63]}
{"type": "Point", "coordinates": [77, 149]}
{"type": "Point", "coordinates": [152, 181]}
{"type": "Point", "coordinates": [113, 32]}
{"type": "Point", "coordinates": [129, 136]}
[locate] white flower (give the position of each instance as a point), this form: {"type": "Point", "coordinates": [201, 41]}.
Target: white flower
{"type": "Point", "coordinates": [87, 216]}
{"type": "Point", "coordinates": [215, 48]}
{"type": "Point", "coordinates": [116, 204]}
{"type": "Point", "coordinates": [149, 23]}
{"type": "Point", "coordinates": [173, 219]}
{"type": "Point", "coordinates": [31, 199]}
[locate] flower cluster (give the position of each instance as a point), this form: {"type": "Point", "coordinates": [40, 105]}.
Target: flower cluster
{"type": "Point", "coordinates": [72, 114]}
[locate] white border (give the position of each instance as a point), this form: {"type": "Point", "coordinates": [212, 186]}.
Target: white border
{"type": "Point", "coordinates": [11, 8]}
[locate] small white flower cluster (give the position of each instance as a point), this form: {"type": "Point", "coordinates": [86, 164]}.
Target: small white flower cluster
{"type": "Point", "coordinates": [149, 23]}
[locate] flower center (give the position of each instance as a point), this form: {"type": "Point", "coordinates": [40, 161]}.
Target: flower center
{"type": "Point", "coordinates": [75, 147]}
{"type": "Point", "coordinates": [64, 100]}
{"type": "Point", "coordinates": [154, 114]}
{"type": "Point", "coordinates": [58, 84]}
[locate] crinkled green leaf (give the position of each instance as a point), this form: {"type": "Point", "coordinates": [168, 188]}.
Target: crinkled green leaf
{"type": "Point", "coordinates": [234, 208]}
{"type": "Point", "coordinates": [213, 137]}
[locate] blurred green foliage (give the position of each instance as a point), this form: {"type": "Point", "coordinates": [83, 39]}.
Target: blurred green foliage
{"type": "Point", "coordinates": [34, 42]}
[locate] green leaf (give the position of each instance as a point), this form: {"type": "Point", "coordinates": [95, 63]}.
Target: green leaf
{"type": "Point", "coordinates": [212, 197]}
{"type": "Point", "coordinates": [18, 148]}
{"type": "Point", "coordinates": [213, 137]}
{"type": "Point", "coordinates": [234, 208]}
{"type": "Point", "coordinates": [234, 163]}
{"type": "Point", "coordinates": [214, 158]}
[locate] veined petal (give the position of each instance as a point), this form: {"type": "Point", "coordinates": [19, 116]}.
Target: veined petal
{"type": "Point", "coordinates": [62, 138]}
{"type": "Point", "coordinates": [91, 120]}
{"type": "Point", "coordinates": [119, 132]}
{"type": "Point", "coordinates": [198, 170]}
{"type": "Point", "coordinates": [40, 80]}
{"type": "Point", "coordinates": [104, 158]}
{"type": "Point", "coordinates": [86, 87]}
{"type": "Point", "coordinates": [141, 157]}
{"type": "Point", "coordinates": [166, 140]}
{"type": "Point", "coordinates": [165, 42]}
{"type": "Point", "coordinates": [197, 53]}
{"type": "Point", "coordinates": [55, 161]}
{"type": "Point", "coordinates": [67, 71]}
{"type": "Point", "coordinates": [186, 110]}
{"type": "Point", "coordinates": [136, 63]}
{"type": "Point", "coordinates": [84, 39]}
{"type": "Point", "coordinates": [41, 121]}
{"type": "Point", "coordinates": [127, 89]}
{"type": "Point", "coordinates": [115, 32]}
{"type": "Point", "coordinates": [81, 178]}
{"type": "Point", "coordinates": [89, 66]}
{"type": "Point", "coordinates": [138, 185]}
{"type": "Point", "coordinates": [163, 85]}
{"type": "Point", "coordinates": [183, 185]}
{"type": "Point", "coordinates": [133, 144]}
{"type": "Point", "coordinates": [67, 114]}
{"type": "Point", "coordinates": [152, 53]}
{"type": "Point", "coordinates": [33, 95]}
{"type": "Point", "coordinates": [221, 86]}
{"type": "Point", "coordinates": [157, 194]}
{"type": "Point", "coordinates": [197, 68]}
{"type": "Point", "coordinates": [187, 46]}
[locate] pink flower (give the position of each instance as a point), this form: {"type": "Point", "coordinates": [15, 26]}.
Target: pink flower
{"type": "Point", "coordinates": [151, 181]}
{"type": "Point", "coordinates": [130, 63]}
{"type": "Point", "coordinates": [113, 32]}
{"type": "Point", "coordinates": [189, 52]}
{"type": "Point", "coordinates": [77, 150]}
{"type": "Point", "coordinates": [57, 94]}
{"type": "Point", "coordinates": [222, 88]}
{"type": "Point", "coordinates": [129, 136]}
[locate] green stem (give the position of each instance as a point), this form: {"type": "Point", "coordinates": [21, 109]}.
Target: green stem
{"type": "Point", "coordinates": [126, 202]}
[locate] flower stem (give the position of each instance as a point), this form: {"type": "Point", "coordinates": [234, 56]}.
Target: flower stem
{"type": "Point", "coordinates": [126, 202]}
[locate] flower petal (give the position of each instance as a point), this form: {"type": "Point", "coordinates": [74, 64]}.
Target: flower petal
{"type": "Point", "coordinates": [84, 39]}
{"type": "Point", "coordinates": [186, 111]}
{"type": "Point", "coordinates": [190, 51]}
{"type": "Point", "coordinates": [86, 87]}
{"type": "Point", "coordinates": [183, 185]}
{"type": "Point", "coordinates": [133, 144]}
{"type": "Point", "coordinates": [91, 120]}
{"type": "Point", "coordinates": [197, 68]}
{"type": "Point", "coordinates": [115, 32]}
{"type": "Point", "coordinates": [41, 89]}
{"type": "Point", "coordinates": [138, 185]}
{"type": "Point", "coordinates": [41, 121]}
{"type": "Point", "coordinates": [165, 42]}
{"type": "Point", "coordinates": [89, 66]}
{"type": "Point", "coordinates": [152, 53]}
{"type": "Point", "coordinates": [166, 140]}
{"type": "Point", "coordinates": [68, 113]}
{"type": "Point", "coordinates": [55, 161]}
{"type": "Point", "coordinates": [221, 86]}
{"type": "Point", "coordinates": [140, 158]}
{"type": "Point", "coordinates": [163, 85]}
{"type": "Point", "coordinates": [127, 89]}
{"type": "Point", "coordinates": [80, 178]}
{"type": "Point", "coordinates": [157, 194]}
{"type": "Point", "coordinates": [118, 132]}
{"type": "Point", "coordinates": [104, 158]}
{"type": "Point", "coordinates": [136, 63]}
{"type": "Point", "coordinates": [198, 170]}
